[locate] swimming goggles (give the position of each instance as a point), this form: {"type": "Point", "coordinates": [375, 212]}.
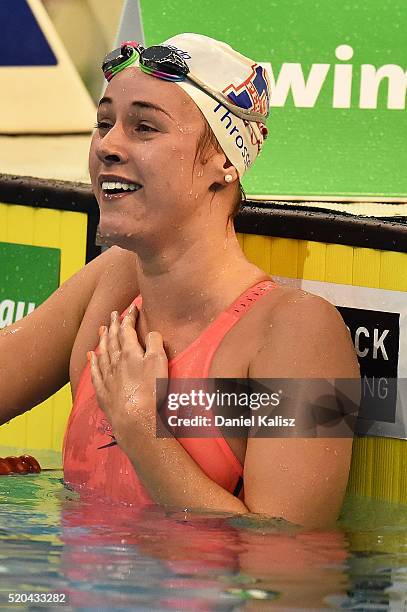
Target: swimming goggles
{"type": "Point", "coordinates": [167, 63]}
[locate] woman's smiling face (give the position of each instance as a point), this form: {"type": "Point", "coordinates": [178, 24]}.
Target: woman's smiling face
{"type": "Point", "coordinates": [146, 144]}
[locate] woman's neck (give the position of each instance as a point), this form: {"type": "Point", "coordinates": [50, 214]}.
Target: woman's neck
{"type": "Point", "coordinates": [182, 286]}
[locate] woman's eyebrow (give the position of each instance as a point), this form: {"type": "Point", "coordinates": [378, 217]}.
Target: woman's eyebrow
{"type": "Point", "coordinates": [150, 106]}
{"type": "Point", "coordinates": [140, 104]}
{"type": "Point", "coordinates": [105, 100]}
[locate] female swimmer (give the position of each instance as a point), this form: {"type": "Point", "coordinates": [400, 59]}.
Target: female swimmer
{"type": "Point", "coordinates": [178, 126]}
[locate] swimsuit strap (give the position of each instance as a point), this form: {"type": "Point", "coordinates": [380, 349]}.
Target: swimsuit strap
{"type": "Point", "coordinates": [240, 305]}
{"type": "Point", "coordinates": [249, 297]}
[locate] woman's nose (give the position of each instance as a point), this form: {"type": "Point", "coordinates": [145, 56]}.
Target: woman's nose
{"type": "Point", "coordinates": [111, 148]}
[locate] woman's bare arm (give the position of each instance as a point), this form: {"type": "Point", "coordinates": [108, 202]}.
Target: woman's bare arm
{"type": "Point", "coordinates": [35, 351]}
{"type": "Point", "coordinates": [302, 479]}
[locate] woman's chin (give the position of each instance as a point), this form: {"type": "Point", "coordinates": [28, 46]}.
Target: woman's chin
{"type": "Point", "coordinates": [108, 236]}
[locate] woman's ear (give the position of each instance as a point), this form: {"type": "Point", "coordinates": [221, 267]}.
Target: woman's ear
{"type": "Point", "coordinates": [230, 173]}
{"type": "Point", "coordinates": [224, 173]}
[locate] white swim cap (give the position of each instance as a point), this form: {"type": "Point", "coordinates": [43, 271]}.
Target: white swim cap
{"type": "Point", "coordinates": [231, 90]}
{"type": "Point", "coordinates": [243, 81]}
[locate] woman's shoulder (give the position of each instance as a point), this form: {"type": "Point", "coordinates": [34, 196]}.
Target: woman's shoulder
{"type": "Point", "coordinates": [303, 334]}
{"type": "Point", "coordinates": [117, 285]}
{"type": "Point", "coordinates": [289, 309]}
{"type": "Point", "coordinates": [116, 264]}
{"type": "Point", "coordinates": [38, 349]}
{"type": "Point", "coordinates": [286, 301]}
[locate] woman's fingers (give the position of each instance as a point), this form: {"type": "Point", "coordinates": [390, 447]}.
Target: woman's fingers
{"type": "Point", "coordinates": [121, 340]}
{"type": "Point", "coordinates": [155, 352]}
{"type": "Point", "coordinates": [103, 357]}
{"type": "Point", "coordinates": [113, 341]}
{"type": "Point", "coordinates": [128, 334]}
{"type": "Point", "coordinates": [95, 372]}
{"type": "Point", "coordinates": [155, 344]}
{"type": "Point", "coordinates": [156, 358]}
{"type": "Point", "coordinates": [132, 315]}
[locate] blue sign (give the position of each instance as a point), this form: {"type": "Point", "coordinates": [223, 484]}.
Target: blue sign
{"type": "Point", "coordinates": [22, 42]}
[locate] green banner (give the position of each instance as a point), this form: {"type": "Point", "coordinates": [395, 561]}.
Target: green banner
{"type": "Point", "coordinates": [28, 275]}
{"type": "Point", "coordinates": [338, 75]}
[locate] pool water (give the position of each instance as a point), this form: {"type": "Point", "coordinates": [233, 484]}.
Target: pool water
{"type": "Point", "coordinates": [112, 557]}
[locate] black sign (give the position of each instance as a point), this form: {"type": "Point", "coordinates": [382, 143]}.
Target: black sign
{"type": "Point", "coordinates": [376, 337]}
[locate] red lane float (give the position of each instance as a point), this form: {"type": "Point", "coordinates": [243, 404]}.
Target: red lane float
{"type": "Point", "coordinates": [25, 464]}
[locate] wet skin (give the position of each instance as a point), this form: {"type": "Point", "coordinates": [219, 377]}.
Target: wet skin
{"type": "Point", "coordinates": [179, 251]}
{"type": "Point", "coordinates": [156, 148]}
{"type": "Point", "coordinates": [178, 218]}
{"type": "Point", "coordinates": [164, 163]}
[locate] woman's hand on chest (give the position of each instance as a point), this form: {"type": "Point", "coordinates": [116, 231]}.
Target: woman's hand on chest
{"type": "Point", "coordinates": [124, 377]}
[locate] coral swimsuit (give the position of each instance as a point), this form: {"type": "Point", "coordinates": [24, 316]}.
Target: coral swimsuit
{"type": "Point", "coordinates": [94, 465]}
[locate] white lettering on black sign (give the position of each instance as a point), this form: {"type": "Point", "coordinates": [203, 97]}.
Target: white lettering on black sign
{"type": "Point", "coordinates": [376, 336]}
